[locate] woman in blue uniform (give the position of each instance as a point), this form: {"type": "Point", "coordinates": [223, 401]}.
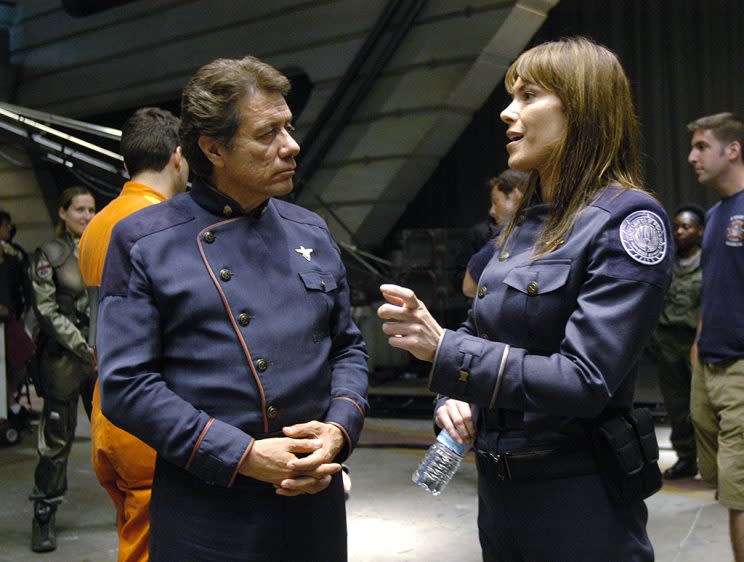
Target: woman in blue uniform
{"type": "Point", "coordinates": [551, 345]}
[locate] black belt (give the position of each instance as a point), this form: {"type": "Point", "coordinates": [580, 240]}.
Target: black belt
{"type": "Point", "coordinates": [540, 465]}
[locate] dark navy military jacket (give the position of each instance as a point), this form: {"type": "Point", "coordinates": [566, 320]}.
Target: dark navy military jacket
{"type": "Point", "coordinates": [556, 340]}
{"type": "Point", "coordinates": [217, 327]}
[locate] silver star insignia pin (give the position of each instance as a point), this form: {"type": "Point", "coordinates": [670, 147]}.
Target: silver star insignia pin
{"type": "Point", "coordinates": [304, 252]}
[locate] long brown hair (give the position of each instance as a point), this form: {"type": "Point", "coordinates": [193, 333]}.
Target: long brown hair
{"type": "Point", "coordinates": [64, 202]}
{"type": "Point", "coordinates": [601, 142]}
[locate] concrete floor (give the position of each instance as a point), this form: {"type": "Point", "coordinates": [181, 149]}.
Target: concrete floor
{"type": "Point", "coordinates": [390, 519]}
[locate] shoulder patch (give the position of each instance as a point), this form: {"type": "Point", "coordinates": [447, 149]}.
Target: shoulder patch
{"type": "Point", "coordinates": [43, 268]}
{"type": "Point", "coordinates": [643, 237]}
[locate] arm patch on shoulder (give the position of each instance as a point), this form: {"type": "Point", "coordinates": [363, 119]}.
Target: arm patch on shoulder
{"type": "Point", "coordinates": [643, 237]}
{"type": "Point", "coordinates": [43, 268]}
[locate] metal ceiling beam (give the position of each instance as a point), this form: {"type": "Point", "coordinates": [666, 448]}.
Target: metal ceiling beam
{"type": "Point", "coordinates": [388, 33]}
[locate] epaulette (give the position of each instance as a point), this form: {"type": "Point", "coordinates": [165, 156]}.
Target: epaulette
{"type": "Point", "coordinates": [616, 200]}
{"type": "Point", "coordinates": [152, 219]}
{"type": "Point", "coordinates": [128, 232]}
{"type": "Point", "coordinates": [299, 214]}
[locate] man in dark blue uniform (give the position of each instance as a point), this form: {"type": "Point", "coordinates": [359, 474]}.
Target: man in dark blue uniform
{"type": "Point", "coordinates": [226, 341]}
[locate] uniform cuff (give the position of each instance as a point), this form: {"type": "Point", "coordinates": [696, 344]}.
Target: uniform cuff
{"type": "Point", "coordinates": [346, 414]}
{"type": "Point", "coordinates": [84, 352]}
{"type": "Point", "coordinates": [458, 371]}
{"type": "Point", "coordinates": [218, 452]}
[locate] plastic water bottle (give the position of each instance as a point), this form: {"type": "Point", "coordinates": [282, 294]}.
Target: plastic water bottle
{"type": "Point", "coordinates": [440, 463]}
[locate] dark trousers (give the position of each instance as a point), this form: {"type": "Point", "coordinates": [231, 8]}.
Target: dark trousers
{"type": "Point", "coordinates": [193, 521]}
{"type": "Point", "coordinates": [58, 422]}
{"type": "Point", "coordinates": [559, 520]}
{"type": "Point", "coordinates": [671, 348]}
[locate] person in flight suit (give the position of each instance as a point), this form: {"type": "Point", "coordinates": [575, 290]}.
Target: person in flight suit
{"type": "Point", "coordinates": [563, 311]}
{"type": "Point", "coordinates": [65, 360]}
{"type": "Point", "coordinates": [226, 342]}
{"type": "Point", "coordinates": [675, 334]}
{"type": "Point", "coordinates": [123, 464]}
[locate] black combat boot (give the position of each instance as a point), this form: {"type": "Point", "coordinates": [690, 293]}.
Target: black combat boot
{"type": "Point", "coordinates": [43, 535]}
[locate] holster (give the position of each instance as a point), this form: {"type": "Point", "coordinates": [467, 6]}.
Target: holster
{"type": "Point", "coordinates": [35, 372]}
{"type": "Point", "coordinates": [627, 454]}
{"type": "Point", "coordinates": [45, 346]}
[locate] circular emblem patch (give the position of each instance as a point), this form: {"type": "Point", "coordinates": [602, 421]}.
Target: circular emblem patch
{"type": "Point", "coordinates": [643, 237]}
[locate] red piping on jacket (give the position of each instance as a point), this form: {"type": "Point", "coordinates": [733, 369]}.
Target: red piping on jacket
{"type": "Point", "coordinates": [232, 318]}
{"type": "Point", "coordinates": [198, 442]}
{"type": "Point", "coordinates": [346, 435]}
{"type": "Point", "coordinates": [361, 411]}
{"type": "Point", "coordinates": [240, 462]}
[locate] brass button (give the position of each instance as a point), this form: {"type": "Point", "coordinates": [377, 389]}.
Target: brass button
{"type": "Point", "coordinates": [504, 256]}
{"type": "Point", "coordinates": [521, 219]}
{"type": "Point", "coordinates": [225, 274]}
{"type": "Point", "coordinates": [532, 288]}
{"type": "Point", "coordinates": [209, 237]}
{"type": "Point", "coordinates": [322, 285]}
{"type": "Point", "coordinates": [462, 376]}
{"type": "Point", "coordinates": [244, 319]}
{"type": "Point", "coordinates": [272, 412]}
{"type": "Point", "coordinates": [262, 365]}
{"type": "Point", "coordinates": [482, 291]}
{"type": "Point", "coordinates": [227, 211]}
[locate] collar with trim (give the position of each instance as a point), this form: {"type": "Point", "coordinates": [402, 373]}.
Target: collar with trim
{"type": "Point", "coordinates": [220, 204]}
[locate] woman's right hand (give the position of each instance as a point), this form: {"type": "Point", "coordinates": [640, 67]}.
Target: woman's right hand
{"type": "Point", "coordinates": [455, 417]}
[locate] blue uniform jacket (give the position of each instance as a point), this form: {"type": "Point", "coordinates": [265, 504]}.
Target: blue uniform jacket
{"type": "Point", "coordinates": [555, 341]}
{"type": "Point", "coordinates": [218, 327]}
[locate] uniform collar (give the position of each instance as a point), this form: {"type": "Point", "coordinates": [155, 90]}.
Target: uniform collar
{"type": "Point", "coordinates": [143, 190]}
{"type": "Point", "coordinates": [71, 240]}
{"type": "Point", "coordinates": [691, 264]}
{"type": "Point", "coordinates": [220, 204]}
{"type": "Point", "coordinates": [538, 210]}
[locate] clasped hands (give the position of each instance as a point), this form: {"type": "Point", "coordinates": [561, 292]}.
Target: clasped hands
{"type": "Point", "coordinates": [275, 460]}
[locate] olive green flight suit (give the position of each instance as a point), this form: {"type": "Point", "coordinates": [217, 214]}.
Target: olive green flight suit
{"type": "Point", "coordinates": [671, 345]}
{"type": "Point", "coordinates": [65, 360]}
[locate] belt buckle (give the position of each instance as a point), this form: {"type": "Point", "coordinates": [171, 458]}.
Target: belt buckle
{"type": "Point", "coordinates": [500, 463]}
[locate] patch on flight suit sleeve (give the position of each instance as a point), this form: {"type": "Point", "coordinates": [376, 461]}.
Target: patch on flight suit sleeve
{"type": "Point", "coordinates": [643, 237]}
{"type": "Point", "coordinates": [43, 269]}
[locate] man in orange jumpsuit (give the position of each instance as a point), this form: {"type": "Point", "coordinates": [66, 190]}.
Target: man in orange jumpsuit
{"type": "Point", "coordinates": [123, 464]}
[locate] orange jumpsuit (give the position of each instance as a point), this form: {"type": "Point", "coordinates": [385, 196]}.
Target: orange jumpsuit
{"type": "Point", "coordinates": [123, 464]}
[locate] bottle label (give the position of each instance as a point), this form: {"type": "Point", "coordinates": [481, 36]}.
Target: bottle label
{"type": "Point", "coordinates": [445, 439]}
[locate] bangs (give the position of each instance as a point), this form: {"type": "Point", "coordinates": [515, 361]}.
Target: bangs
{"type": "Point", "coordinates": [538, 66]}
